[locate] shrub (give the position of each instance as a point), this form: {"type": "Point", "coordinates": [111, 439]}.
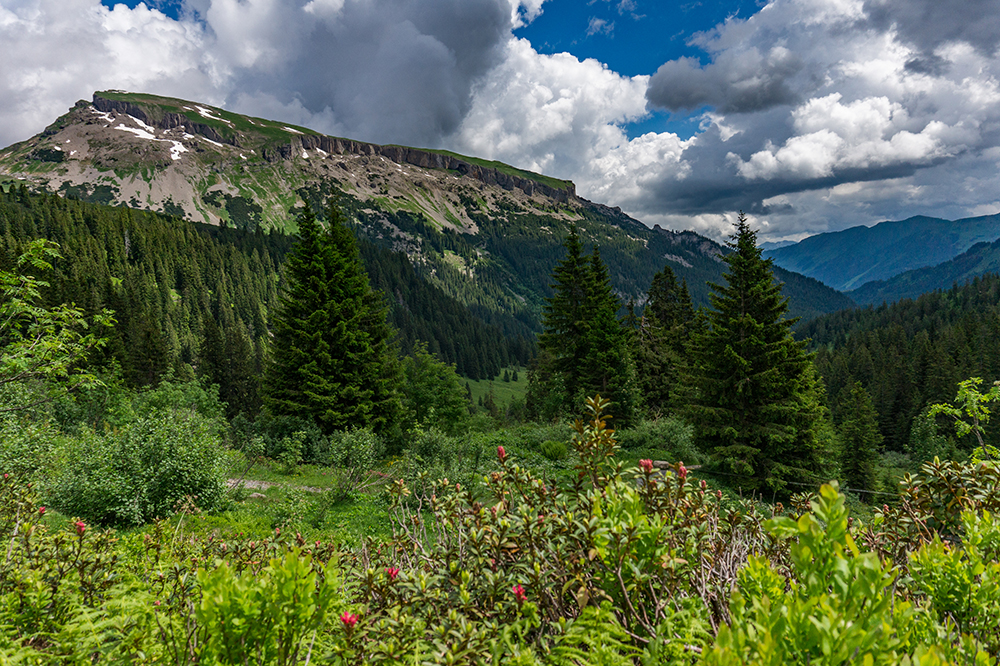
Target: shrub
{"type": "Point", "coordinates": [274, 430]}
{"type": "Point", "coordinates": [671, 436]}
{"type": "Point", "coordinates": [142, 470]}
{"type": "Point", "coordinates": [554, 450]}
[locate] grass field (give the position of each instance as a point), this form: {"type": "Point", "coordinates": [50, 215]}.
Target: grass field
{"type": "Point", "coordinates": [503, 392]}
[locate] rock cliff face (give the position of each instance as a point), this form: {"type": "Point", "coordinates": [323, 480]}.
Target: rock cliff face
{"type": "Point", "coordinates": [165, 121]}
{"type": "Point", "coordinates": [338, 146]}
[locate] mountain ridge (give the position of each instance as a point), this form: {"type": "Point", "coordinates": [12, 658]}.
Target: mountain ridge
{"type": "Point", "coordinates": [980, 259]}
{"type": "Point", "coordinates": [847, 259]}
{"type": "Point", "coordinates": [487, 233]}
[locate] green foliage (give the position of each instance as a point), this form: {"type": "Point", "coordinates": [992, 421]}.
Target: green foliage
{"type": "Point", "coordinates": [584, 347]}
{"type": "Point", "coordinates": [670, 436]}
{"type": "Point", "coordinates": [860, 441]}
{"type": "Point", "coordinates": [38, 343]}
{"type": "Point", "coordinates": [971, 412]}
{"type": "Point", "coordinates": [554, 450]}
{"type": "Point", "coordinates": [926, 443]}
{"type": "Point", "coordinates": [755, 402]}
{"type": "Point", "coordinates": [143, 469]}
{"type": "Point", "coordinates": [353, 457]}
{"type": "Point", "coordinates": [838, 607]}
{"type": "Point", "coordinates": [270, 617]}
{"type": "Point", "coordinates": [963, 583]}
{"type": "Point", "coordinates": [330, 354]}
{"type": "Point", "coordinates": [433, 395]}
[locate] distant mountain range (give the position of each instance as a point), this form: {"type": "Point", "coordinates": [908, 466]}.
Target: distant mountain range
{"type": "Point", "coordinates": [980, 259]}
{"type": "Point", "coordinates": [846, 260]}
{"type": "Point", "coordinates": [486, 233]}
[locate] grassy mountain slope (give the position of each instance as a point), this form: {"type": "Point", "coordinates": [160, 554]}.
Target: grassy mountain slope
{"type": "Point", "coordinates": [485, 233]}
{"type": "Point", "coordinates": [847, 259]}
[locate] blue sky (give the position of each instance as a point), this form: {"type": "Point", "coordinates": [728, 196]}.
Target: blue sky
{"type": "Point", "coordinates": [809, 115]}
{"type": "Point", "coordinates": [632, 37]}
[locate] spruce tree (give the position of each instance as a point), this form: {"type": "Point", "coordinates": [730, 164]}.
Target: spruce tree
{"type": "Point", "coordinates": [860, 440]}
{"type": "Point", "coordinates": [331, 357]}
{"type": "Point", "coordinates": [583, 348]}
{"type": "Point", "coordinates": [662, 340]}
{"type": "Point", "coordinates": [755, 401]}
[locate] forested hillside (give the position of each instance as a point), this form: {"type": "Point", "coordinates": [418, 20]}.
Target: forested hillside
{"type": "Point", "coordinates": [979, 259]}
{"type": "Point", "coordinates": [911, 353]}
{"type": "Point", "coordinates": [164, 277]}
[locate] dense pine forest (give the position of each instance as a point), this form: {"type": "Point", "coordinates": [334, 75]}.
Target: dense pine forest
{"type": "Point", "coordinates": [911, 353]}
{"type": "Point", "coordinates": [164, 278]}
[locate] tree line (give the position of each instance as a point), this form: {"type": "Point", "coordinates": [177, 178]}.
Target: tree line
{"type": "Point", "coordinates": [166, 279]}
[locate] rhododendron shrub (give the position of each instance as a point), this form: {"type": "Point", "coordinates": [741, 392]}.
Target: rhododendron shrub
{"type": "Point", "coordinates": [645, 565]}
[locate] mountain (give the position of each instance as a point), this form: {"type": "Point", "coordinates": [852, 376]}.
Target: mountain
{"type": "Point", "coordinates": [485, 233]}
{"type": "Point", "coordinates": [847, 259]}
{"type": "Point", "coordinates": [980, 259]}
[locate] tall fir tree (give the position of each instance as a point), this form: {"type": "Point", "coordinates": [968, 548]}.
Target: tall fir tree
{"type": "Point", "coordinates": [584, 348]}
{"type": "Point", "coordinates": [662, 340]}
{"type": "Point", "coordinates": [860, 440]}
{"type": "Point", "coordinates": [331, 354]}
{"type": "Point", "coordinates": [755, 401]}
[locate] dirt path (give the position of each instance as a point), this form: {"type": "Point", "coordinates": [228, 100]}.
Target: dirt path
{"type": "Point", "coordinates": [251, 484]}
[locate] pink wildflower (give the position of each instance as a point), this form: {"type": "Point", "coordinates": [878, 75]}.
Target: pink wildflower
{"type": "Point", "coordinates": [349, 619]}
{"type": "Point", "coordinates": [502, 453]}
{"type": "Point", "coordinates": [646, 465]}
{"type": "Point", "coordinates": [41, 511]}
{"type": "Point", "coordinates": [392, 572]}
{"type": "Point", "coordinates": [519, 595]}
{"type": "Point", "coordinates": [682, 472]}
{"type": "Point", "coordinates": [81, 527]}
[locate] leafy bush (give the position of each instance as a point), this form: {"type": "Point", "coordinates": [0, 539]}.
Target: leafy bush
{"type": "Point", "coordinates": [273, 431]}
{"type": "Point", "coordinates": [670, 435]}
{"type": "Point", "coordinates": [142, 470]}
{"type": "Point", "coordinates": [25, 447]}
{"type": "Point", "coordinates": [554, 450]}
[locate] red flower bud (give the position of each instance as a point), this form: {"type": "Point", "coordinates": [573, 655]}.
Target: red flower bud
{"type": "Point", "coordinates": [81, 527]}
{"type": "Point", "coordinates": [41, 511]}
{"type": "Point", "coordinates": [682, 472]}
{"type": "Point", "coordinates": [501, 453]}
{"type": "Point", "coordinates": [646, 465]}
{"type": "Point", "coordinates": [519, 595]}
{"type": "Point", "coordinates": [349, 619]}
{"type": "Point", "coordinates": [718, 494]}
{"type": "Point", "coordinates": [703, 484]}
{"type": "Point", "coordinates": [392, 572]}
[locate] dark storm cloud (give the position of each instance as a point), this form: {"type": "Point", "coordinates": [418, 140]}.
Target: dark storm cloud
{"type": "Point", "coordinates": [390, 71]}
{"type": "Point", "coordinates": [735, 82]}
{"type": "Point", "coordinates": [928, 24]}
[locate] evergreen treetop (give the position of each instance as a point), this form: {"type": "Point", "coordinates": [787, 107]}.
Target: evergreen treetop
{"type": "Point", "coordinates": [331, 358]}
{"type": "Point", "coordinates": [584, 348]}
{"type": "Point", "coordinates": [755, 403]}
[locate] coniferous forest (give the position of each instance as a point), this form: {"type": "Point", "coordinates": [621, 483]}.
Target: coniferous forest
{"type": "Point", "coordinates": [222, 446]}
